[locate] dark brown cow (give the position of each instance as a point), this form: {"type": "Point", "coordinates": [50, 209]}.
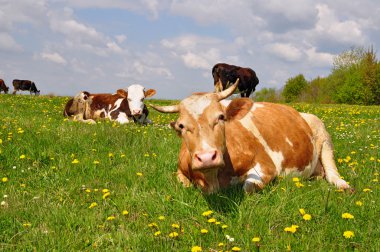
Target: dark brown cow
{"type": "Point", "coordinates": [25, 85]}
{"type": "Point", "coordinates": [225, 74]}
{"type": "Point", "coordinates": [226, 142]}
{"type": "Point", "coordinates": [3, 87]}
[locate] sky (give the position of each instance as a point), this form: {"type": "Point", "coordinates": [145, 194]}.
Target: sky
{"type": "Point", "coordinates": [67, 46]}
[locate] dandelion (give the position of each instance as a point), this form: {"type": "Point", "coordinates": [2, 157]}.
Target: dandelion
{"type": "Point", "coordinates": [207, 213]}
{"type": "Point", "coordinates": [22, 156]}
{"type": "Point", "coordinates": [256, 239]}
{"type": "Point", "coordinates": [295, 179]}
{"type": "Point", "coordinates": [306, 217]}
{"type": "Point", "coordinates": [125, 212]}
{"type": "Point", "coordinates": [105, 190]}
{"type": "Point", "coordinates": [75, 161]}
{"type": "Point", "coordinates": [96, 162]}
{"type": "Point", "coordinates": [110, 155]}
{"type": "Point", "coordinates": [173, 235]}
{"type": "Point", "coordinates": [220, 244]}
{"type": "Point", "coordinates": [196, 249]}
{"type": "Point", "coordinates": [161, 217]}
{"type": "Point", "coordinates": [4, 179]}
{"type": "Point", "coordinates": [88, 190]}
{"type": "Point", "coordinates": [299, 184]}
{"type": "Point", "coordinates": [236, 249]}
{"type": "Point", "coordinates": [153, 224]}
{"type": "Point", "coordinates": [348, 234]}
{"type": "Point", "coordinates": [367, 190]}
{"type": "Point", "coordinates": [204, 231]}
{"type": "Point", "coordinates": [302, 211]}
{"type": "Point", "coordinates": [358, 203]}
{"type": "Point", "coordinates": [106, 195]}
{"type": "Point", "coordinates": [175, 225]}
{"type": "Point", "coordinates": [212, 220]}
{"type": "Point", "coordinates": [93, 204]}
{"type": "Point", "coordinates": [224, 226]}
{"type": "Point", "coordinates": [110, 218]}
{"type": "Point", "coordinates": [157, 233]}
{"type": "Point", "coordinates": [139, 174]}
{"type": "Point", "coordinates": [27, 224]}
{"type": "Point", "coordinates": [292, 229]}
{"type": "Point", "coordinates": [347, 216]}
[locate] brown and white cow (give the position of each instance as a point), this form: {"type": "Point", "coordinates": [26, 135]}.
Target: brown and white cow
{"type": "Point", "coordinates": [3, 87]}
{"type": "Point", "coordinates": [123, 107]}
{"type": "Point", "coordinates": [225, 142]}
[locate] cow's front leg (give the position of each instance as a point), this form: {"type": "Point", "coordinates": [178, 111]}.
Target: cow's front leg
{"type": "Point", "coordinates": [183, 179]}
{"type": "Point", "coordinates": [256, 178]}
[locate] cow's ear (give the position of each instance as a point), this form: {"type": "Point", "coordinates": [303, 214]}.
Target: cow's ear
{"type": "Point", "coordinates": [122, 93]}
{"type": "Point", "coordinates": [238, 108]}
{"type": "Point", "coordinates": [149, 93]}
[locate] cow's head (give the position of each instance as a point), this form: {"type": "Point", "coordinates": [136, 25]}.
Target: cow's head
{"type": "Point", "coordinates": [80, 103]}
{"type": "Point", "coordinates": [135, 95]}
{"type": "Point", "coordinates": [201, 125]}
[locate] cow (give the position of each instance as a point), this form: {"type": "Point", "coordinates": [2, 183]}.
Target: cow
{"type": "Point", "coordinates": [225, 142]}
{"type": "Point", "coordinates": [25, 85]}
{"type": "Point", "coordinates": [123, 106]}
{"type": "Point", "coordinates": [225, 74]}
{"type": "Point", "coordinates": [3, 87]}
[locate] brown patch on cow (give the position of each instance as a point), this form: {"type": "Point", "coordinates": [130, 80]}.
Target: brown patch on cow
{"type": "Point", "coordinates": [238, 108]}
{"type": "Point", "coordinates": [276, 123]}
{"type": "Point", "coordinates": [122, 93]}
{"type": "Point", "coordinates": [149, 93]}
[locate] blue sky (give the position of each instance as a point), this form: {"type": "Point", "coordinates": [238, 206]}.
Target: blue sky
{"type": "Point", "coordinates": [66, 46]}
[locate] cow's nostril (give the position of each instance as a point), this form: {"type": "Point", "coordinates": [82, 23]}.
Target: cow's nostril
{"type": "Point", "coordinates": [214, 156]}
{"type": "Point", "coordinates": [198, 158]}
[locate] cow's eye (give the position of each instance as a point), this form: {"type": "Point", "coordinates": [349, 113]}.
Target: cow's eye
{"type": "Point", "coordinates": [181, 126]}
{"type": "Point", "coordinates": [221, 117]}
{"type": "Point", "coordinates": [142, 99]}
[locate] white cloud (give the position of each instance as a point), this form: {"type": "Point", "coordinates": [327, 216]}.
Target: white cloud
{"type": "Point", "coordinates": [286, 51]}
{"type": "Point", "coordinates": [8, 43]}
{"type": "Point", "coordinates": [54, 57]}
{"type": "Point", "coordinates": [319, 58]}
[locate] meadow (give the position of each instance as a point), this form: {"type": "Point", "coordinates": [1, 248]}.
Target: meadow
{"type": "Point", "coordinates": [70, 186]}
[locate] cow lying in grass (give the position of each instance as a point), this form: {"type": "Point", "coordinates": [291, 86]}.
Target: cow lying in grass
{"type": "Point", "coordinates": [123, 107]}
{"type": "Point", "coordinates": [226, 142]}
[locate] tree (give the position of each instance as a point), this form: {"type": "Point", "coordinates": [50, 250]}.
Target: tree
{"type": "Point", "coordinates": [267, 94]}
{"type": "Point", "coordinates": [294, 87]}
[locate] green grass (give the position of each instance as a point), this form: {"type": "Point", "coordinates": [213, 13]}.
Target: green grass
{"type": "Point", "coordinates": [46, 197]}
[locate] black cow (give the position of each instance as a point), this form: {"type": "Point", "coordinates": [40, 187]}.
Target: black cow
{"type": "Point", "coordinates": [25, 85]}
{"type": "Point", "coordinates": [225, 75]}
{"type": "Point", "coordinates": [3, 87]}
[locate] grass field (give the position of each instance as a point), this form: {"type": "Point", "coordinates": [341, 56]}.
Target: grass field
{"type": "Point", "coordinates": [69, 186]}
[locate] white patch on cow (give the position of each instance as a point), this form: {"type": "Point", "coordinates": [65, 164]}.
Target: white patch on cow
{"type": "Point", "coordinates": [254, 179]}
{"type": "Point", "coordinates": [205, 146]}
{"type": "Point", "coordinates": [136, 98]}
{"type": "Point", "coordinates": [122, 118]}
{"type": "Point", "coordinates": [225, 103]}
{"type": "Point", "coordinates": [256, 106]}
{"type": "Point", "coordinates": [97, 113]}
{"type": "Point", "coordinates": [277, 157]}
{"type": "Point", "coordinates": [197, 104]}
{"type": "Point", "coordinates": [289, 142]}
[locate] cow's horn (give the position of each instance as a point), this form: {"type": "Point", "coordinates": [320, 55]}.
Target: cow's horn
{"type": "Point", "coordinates": [166, 109]}
{"type": "Point", "coordinates": [229, 91]}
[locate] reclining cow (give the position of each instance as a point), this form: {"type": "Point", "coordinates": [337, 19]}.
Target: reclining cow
{"type": "Point", "coordinates": [225, 142]}
{"type": "Point", "coordinates": [3, 87]}
{"type": "Point", "coordinates": [123, 107]}
{"type": "Point", "coordinates": [25, 85]}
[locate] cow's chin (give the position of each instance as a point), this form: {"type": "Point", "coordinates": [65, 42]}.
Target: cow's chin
{"type": "Point", "coordinates": [208, 180]}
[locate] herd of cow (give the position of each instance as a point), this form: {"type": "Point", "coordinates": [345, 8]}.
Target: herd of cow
{"type": "Point", "coordinates": [225, 142]}
{"type": "Point", "coordinates": [20, 85]}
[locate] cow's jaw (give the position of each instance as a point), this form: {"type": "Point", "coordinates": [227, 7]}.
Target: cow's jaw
{"type": "Point", "coordinates": [210, 184]}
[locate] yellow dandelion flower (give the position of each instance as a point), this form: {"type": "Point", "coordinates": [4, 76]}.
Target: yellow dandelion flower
{"type": "Point", "coordinates": [173, 235]}
{"type": "Point", "coordinates": [220, 244]}
{"type": "Point", "coordinates": [27, 224]}
{"type": "Point", "coordinates": [110, 218]}
{"type": "Point", "coordinates": [299, 184]}
{"type": "Point", "coordinates": [196, 249]}
{"type": "Point", "coordinates": [302, 211]}
{"type": "Point", "coordinates": [110, 155]}
{"type": "Point", "coordinates": [93, 204]}
{"type": "Point", "coordinates": [139, 174]}
{"type": "Point", "coordinates": [306, 217]}
{"type": "Point", "coordinates": [204, 231]}
{"type": "Point", "coordinates": [256, 239]}
{"type": "Point", "coordinates": [295, 179]}
{"type": "Point", "coordinates": [212, 220]}
{"type": "Point", "coordinates": [161, 217]}
{"type": "Point", "coordinates": [96, 162]}
{"type": "Point", "coordinates": [207, 213]}
{"type": "Point", "coordinates": [153, 224]}
{"type": "Point", "coordinates": [106, 195]}
{"type": "Point", "coordinates": [224, 226]}
{"type": "Point", "coordinates": [125, 212]}
{"type": "Point", "coordinates": [348, 234]}
{"type": "Point", "coordinates": [22, 156]}
{"type": "Point", "coordinates": [347, 216]}
{"type": "Point", "coordinates": [367, 190]}
{"type": "Point", "coordinates": [75, 161]}
{"type": "Point", "coordinates": [358, 203]}
{"type": "Point", "coordinates": [175, 225]}
{"type": "Point", "coordinates": [372, 158]}
{"type": "Point", "coordinates": [292, 229]}
{"type": "Point", "coordinates": [236, 248]}
{"type": "Point", "coordinates": [4, 179]}
{"type": "Point", "coordinates": [105, 190]}
{"type": "Point", "coordinates": [217, 223]}
{"type": "Point", "coordinates": [157, 233]}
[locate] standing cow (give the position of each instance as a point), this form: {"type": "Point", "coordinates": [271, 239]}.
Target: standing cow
{"type": "Point", "coordinates": [124, 106]}
{"type": "Point", "coordinates": [225, 74]}
{"type": "Point", "coordinates": [3, 87]}
{"type": "Point", "coordinates": [25, 85]}
{"type": "Point", "coordinates": [226, 142]}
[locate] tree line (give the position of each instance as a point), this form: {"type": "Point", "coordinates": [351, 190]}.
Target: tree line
{"type": "Point", "coordinates": [354, 79]}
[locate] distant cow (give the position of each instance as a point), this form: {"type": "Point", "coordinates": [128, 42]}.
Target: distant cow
{"type": "Point", "coordinates": [123, 107]}
{"type": "Point", "coordinates": [226, 142]}
{"type": "Point", "coordinates": [225, 74]}
{"type": "Point", "coordinates": [3, 87]}
{"type": "Point", "coordinates": [25, 85]}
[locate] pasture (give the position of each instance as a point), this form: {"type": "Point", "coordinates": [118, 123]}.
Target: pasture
{"type": "Point", "coordinates": [69, 186]}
